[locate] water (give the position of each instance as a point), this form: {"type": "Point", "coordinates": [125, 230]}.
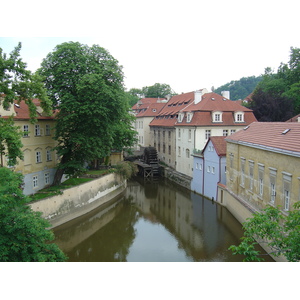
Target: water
{"type": "Point", "coordinates": [152, 222]}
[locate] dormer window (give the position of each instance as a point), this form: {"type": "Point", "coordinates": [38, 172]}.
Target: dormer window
{"type": "Point", "coordinates": [180, 117]}
{"type": "Point", "coordinates": [217, 116]}
{"type": "Point", "coordinates": [239, 116]}
{"type": "Point", "coordinates": [189, 117]}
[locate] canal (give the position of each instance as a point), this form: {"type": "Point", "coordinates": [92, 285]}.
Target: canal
{"type": "Point", "coordinates": [154, 221]}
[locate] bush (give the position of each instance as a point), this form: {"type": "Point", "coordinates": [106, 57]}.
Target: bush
{"type": "Point", "coordinates": [126, 169]}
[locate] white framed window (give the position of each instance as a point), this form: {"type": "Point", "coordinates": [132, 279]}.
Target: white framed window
{"type": "Point", "coordinates": [208, 169]}
{"type": "Point", "coordinates": [251, 167]}
{"type": "Point", "coordinates": [225, 132]}
{"type": "Point", "coordinates": [232, 131]}
{"type": "Point", "coordinates": [273, 173]}
{"type": "Point", "coordinates": [242, 171]}
{"type": "Point", "coordinates": [200, 167]}
{"type": "Point", "coordinates": [213, 170]}
{"type": "Point", "coordinates": [287, 182]}
{"type": "Point", "coordinates": [189, 117]}
{"type": "Point", "coordinates": [179, 133]}
{"type": "Point", "coordinates": [38, 156]}
{"type": "Point", "coordinates": [190, 134]}
{"type": "Point", "coordinates": [187, 151]}
{"type": "Point", "coordinates": [179, 151]}
{"type": "Point", "coordinates": [35, 181]}
{"type": "Point", "coordinates": [207, 134]}
{"type": "Point", "coordinates": [239, 116]}
{"type": "Point", "coordinates": [47, 178]}
{"type": "Point", "coordinates": [180, 117]}
{"type": "Point", "coordinates": [261, 170]}
{"type": "Point", "coordinates": [273, 193]}
{"type": "Point", "coordinates": [37, 130]}
{"type": "Point", "coordinates": [25, 130]}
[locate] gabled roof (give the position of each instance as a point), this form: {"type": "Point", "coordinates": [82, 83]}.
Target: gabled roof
{"type": "Point", "coordinates": [219, 144]}
{"type": "Point", "coordinates": [171, 109]}
{"type": "Point", "coordinates": [271, 136]}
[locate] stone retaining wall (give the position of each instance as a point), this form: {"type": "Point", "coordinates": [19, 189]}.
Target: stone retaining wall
{"type": "Point", "coordinates": [79, 200]}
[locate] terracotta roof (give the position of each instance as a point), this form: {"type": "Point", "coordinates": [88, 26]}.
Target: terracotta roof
{"type": "Point", "coordinates": [273, 136]}
{"type": "Point", "coordinates": [171, 109]}
{"type": "Point", "coordinates": [150, 110]}
{"type": "Point", "coordinates": [22, 111]}
{"type": "Point", "coordinates": [219, 144]}
{"type": "Point", "coordinates": [294, 119]}
{"type": "Point", "coordinates": [216, 102]}
{"type": "Point", "coordinates": [146, 101]}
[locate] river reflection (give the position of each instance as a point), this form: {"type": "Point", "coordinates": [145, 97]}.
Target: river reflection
{"type": "Point", "coordinates": [153, 221]}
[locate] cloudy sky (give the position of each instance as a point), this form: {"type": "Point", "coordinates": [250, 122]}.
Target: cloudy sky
{"type": "Point", "coordinates": [186, 44]}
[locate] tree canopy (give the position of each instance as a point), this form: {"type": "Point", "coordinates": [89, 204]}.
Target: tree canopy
{"type": "Point", "coordinates": [18, 83]}
{"type": "Point", "coordinates": [24, 236]}
{"type": "Point", "coordinates": [280, 232]}
{"type": "Point", "coordinates": [86, 85]}
{"type": "Point", "coordinates": [240, 89]}
{"type": "Point", "coordinates": [277, 96]}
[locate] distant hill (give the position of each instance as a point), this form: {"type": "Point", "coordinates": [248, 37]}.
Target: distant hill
{"type": "Point", "coordinates": [240, 89]}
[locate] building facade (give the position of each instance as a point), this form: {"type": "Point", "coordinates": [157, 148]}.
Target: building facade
{"type": "Point", "coordinates": [40, 159]}
{"type": "Point", "coordinates": [210, 114]}
{"type": "Point", "coordinates": [263, 168]}
{"type": "Point", "coordinates": [209, 167]}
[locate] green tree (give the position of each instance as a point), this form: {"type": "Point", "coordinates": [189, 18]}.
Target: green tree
{"type": "Point", "coordinates": [23, 233]}
{"type": "Point", "coordinates": [10, 142]}
{"type": "Point", "coordinates": [158, 90]}
{"type": "Point", "coordinates": [86, 83]}
{"type": "Point", "coordinates": [280, 232]}
{"type": "Point", "coordinates": [18, 83]}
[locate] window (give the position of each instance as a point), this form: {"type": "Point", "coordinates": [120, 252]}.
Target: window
{"type": "Point", "coordinates": [197, 166]}
{"type": "Point", "coordinates": [273, 173]}
{"type": "Point", "coordinates": [169, 150]}
{"type": "Point", "coordinates": [25, 131]}
{"type": "Point", "coordinates": [208, 169]}
{"type": "Point", "coordinates": [200, 167]}
{"type": "Point", "coordinates": [47, 178]}
{"type": "Point", "coordinates": [242, 171]}
{"type": "Point", "coordinates": [48, 129]}
{"type": "Point", "coordinates": [231, 156]}
{"type": "Point", "coordinates": [232, 131]}
{"type": "Point", "coordinates": [35, 181]}
{"type": "Point", "coordinates": [287, 181]}
{"type": "Point", "coordinates": [38, 156]}
{"type": "Point", "coordinates": [169, 135]}
{"type": "Point", "coordinates": [261, 170]}
{"type": "Point", "coordinates": [37, 130]}
{"type": "Point", "coordinates": [207, 134]}
{"type": "Point", "coordinates": [180, 117]}
{"type": "Point", "coordinates": [213, 170]}
{"type": "Point", "coordinates": [187, 151]}
{"type": "Point", "coordinates": [189, 117]}
{"type": "Point", "coordinates": [190, 134]}
{"type": "Point", "coordinates": [251, 166]}
{"type": "Point", "coordinates": [239, 117]}
{"type": "Point", "coordinates": [48, 155]}
{"type": "Point", "coordinates": [225, 132]}
{"type": "Point", "coordinates": [179, 133]}
{"type": "Point", "coordinates": [179, 151]}
{"type": "Point", "coordinates": [164, 148]}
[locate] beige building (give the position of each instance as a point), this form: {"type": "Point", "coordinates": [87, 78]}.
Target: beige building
{"type": "Point", "coordinates": [38, 165]}
{"type": "Point", "coordinates": [263, 168]}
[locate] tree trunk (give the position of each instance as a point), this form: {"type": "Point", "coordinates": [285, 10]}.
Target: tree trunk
{"type": "Point", "coordinates": [58, 176]}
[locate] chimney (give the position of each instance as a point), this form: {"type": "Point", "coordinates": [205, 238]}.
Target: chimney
{"type": "Point", "coordinates": [225, 94]}
{"type": "Point", "coordinates": [198, 96]}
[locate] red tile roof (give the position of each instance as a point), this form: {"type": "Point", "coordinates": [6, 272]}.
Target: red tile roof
{"type": "Point", "coordinates": [146, 101]}
{"type": "Point", "coordinates": [270, 135]}
{"type": "Point", "coordinates": [216, 102]}
{"type": "Point", "coordinates": [150, 110]}
{"type": "Point", "coordinates": [219, 144]}
{"type": "Point", "coordinates": [22, 111]}
{"type": "Point", "coordinates": [294, 119]}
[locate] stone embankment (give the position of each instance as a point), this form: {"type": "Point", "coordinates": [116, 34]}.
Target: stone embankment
{"type": "Point", "coordinates": [79, 200]}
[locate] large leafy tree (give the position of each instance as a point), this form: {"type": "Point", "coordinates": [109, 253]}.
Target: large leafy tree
{"type": "Point", "coordinates": [158, 90]}
{"type": "Point", "coordinates": [17, 83]}
{"type": "Point", "coordinates": [280, 232]}
{"type": "Point", "coordinates": [10, 142]}
{"type": "Point", "coordinates": [86, 84]}
{"type": "Point", "coordinates": [24, 236]}
{"type": "Point", "coordinates": [281, 88]}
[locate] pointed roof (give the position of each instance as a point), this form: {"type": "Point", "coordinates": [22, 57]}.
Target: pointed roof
{"type": "Point", "coordinates": [280, 137]}
{"type": "Point", "coordinates": [219, 144]}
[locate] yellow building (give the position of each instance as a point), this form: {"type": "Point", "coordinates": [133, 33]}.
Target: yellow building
{"type": "Point", "coordinates": [38, 165]}
{"type": "Point", "coordinates": [263, 168]}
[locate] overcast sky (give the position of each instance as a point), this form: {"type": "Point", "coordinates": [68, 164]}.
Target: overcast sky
{"type": "Point", "coordinates": [186, 44]}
